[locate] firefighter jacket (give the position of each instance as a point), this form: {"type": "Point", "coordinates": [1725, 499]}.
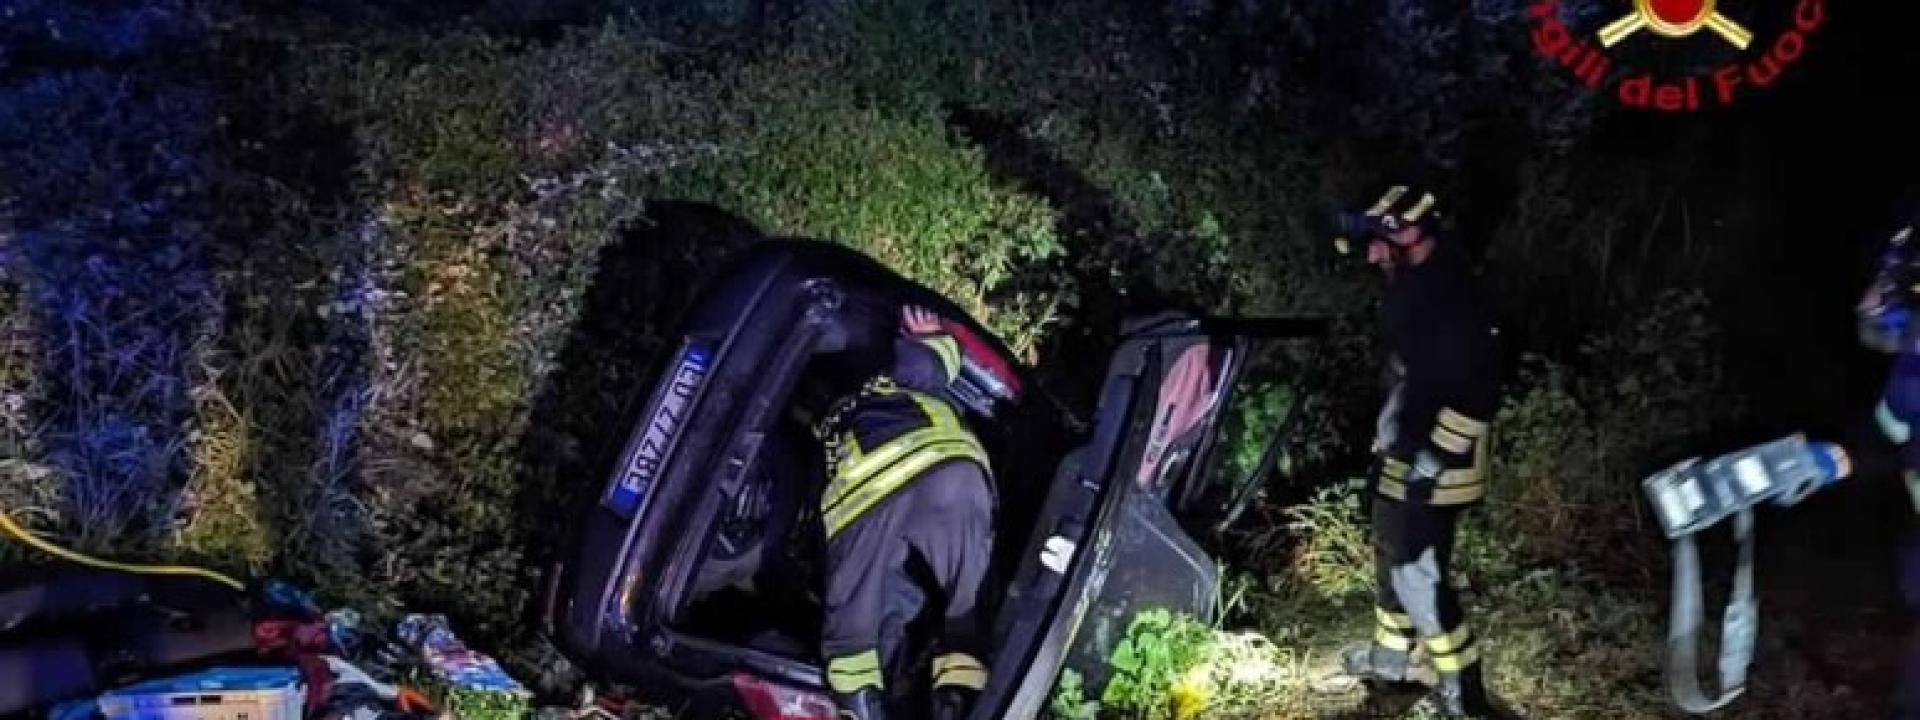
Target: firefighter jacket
{"type": "Point", "coordinates": [1434, 427]}
{"type": "Point", "coordinates": [895, 429]}
{"type": "Point", "coordinates": [1886, 310]}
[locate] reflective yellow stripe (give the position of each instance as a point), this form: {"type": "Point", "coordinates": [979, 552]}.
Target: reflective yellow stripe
{"type": "Point", "coordinates": [1386, 201]}
{"type": "Point", "coordinates": [1452, 420]}
{"type": "Point", "coordinates": [938, 412]}
{"type": "Point", "coordinates": [959, 669]}
{"type": "Point", "coordinates": [1393, 469]}
{"type": "Point", "coordinates": [942, 425]}
{"type": "Point", "coordinates": [866, 494]}
{"type": "Point", "coordinates": [870, 492]}
{"type": "Point", "coordinates": [1451, 642]}
{"type": "Point", "coordinates": [1891, 425]}
{"type": "Point", "coordinates": [1458, 496]}
{"type": "Point", "coordinates": [1392, 641]}
{"type": "Point", "coordinates": [846, 452]}
{"type": "Point", "coordinates": [1441, 495]}
{"type": "Point", "coordinates": [947, 349]}
{"type": "Point", "coordinates": [1460, 478]}
{"type": "Point", "coordinates": [1419, 209]}
{"type": "Point", "coordinates": [1393, 489]}
{"type": "Point", "coordinates": [1458, 662]}
{"type": "Point", "coordinates": [1450, 441]}
{"type": "Point", "coordinates": [847, 674]}
{"type": "Point", "coordinates": [1389, 619]}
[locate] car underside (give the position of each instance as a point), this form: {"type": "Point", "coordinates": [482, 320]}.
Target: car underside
{"type": "Point", "coordinates": [696, 575]}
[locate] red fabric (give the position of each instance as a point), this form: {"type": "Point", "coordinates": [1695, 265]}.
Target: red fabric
{"type": "Point", "coordinates": [983, 354]}
{"type": "Point", "coordinates": [1186, 395]}
{"type": "Point", "coordinates": [300, 642]}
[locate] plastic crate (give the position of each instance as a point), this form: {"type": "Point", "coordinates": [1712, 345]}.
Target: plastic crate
{"type": "Point", "coordinates": [228, 693]}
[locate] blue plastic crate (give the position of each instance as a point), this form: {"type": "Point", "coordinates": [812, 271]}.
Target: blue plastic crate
{"type": "Point", "coordinates": [227, 693]}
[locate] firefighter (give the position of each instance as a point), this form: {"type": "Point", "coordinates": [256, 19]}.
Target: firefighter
{"type": "Point", "coordinates": [907, 482]}
{"type": "Point", "coordinates": [1433, 450]}
{"type": "Point", "coordinates": [1885, 325]}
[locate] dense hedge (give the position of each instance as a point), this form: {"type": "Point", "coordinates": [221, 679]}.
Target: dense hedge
{"type": "Point", "coordinates": [329, 309]}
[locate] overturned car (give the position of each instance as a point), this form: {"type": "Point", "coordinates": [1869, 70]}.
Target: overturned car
{"type": "Point", "coordinates": [695, 574]}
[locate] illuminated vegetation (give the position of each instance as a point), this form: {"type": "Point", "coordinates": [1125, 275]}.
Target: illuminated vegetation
{"type": "Point", "coordinates": [359, 357]}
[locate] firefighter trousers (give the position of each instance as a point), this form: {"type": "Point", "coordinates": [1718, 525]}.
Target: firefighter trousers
{"type": "Point", "coordinates": [943, 519]}
{"type": "Point", "coordinates": [1906, 701]}
{"type": "Point", "coordinates": [1416, 604]}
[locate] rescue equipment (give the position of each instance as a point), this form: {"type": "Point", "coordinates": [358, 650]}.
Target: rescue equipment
{"type": "Point", "coordinates": [27, 537]}
{"type": "Point", "coordinates": [1695, 495]}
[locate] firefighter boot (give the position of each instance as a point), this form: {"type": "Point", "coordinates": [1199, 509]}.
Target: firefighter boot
{"type": "Point", "coordinates": [953, 703]}
{"type": "Point", "coordinates": [1462, 695]}
{"type": "Point", "coordinates": [1374, 663]}
{"type": "Point", "coordinates": [867, 703]}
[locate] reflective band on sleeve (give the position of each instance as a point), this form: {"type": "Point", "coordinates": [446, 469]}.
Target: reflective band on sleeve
{"type": "Point", "coordinates": [1394, 469]}
{"type": "Point", "coordinates": [1391, 640]}
{"type": "Point", "coordinates": [1457, 663]}
{"type": "Point", "coordinates": [1451, 441]}
{"type": "Point", "coordinates": [1453, 420]}
{"type": "Point", "coordinates": [1458, 496]}
{"type": "Point", "coordinates": [1390, 619]}
{"type": "Point", "coordinates": [947, 349]}
{"type": "Point", "coordinates": [1891, 425]}
{"type": "Point", "coordinates": [847, 674]}
{"type": "Point", "coordinates": [1393, 489]}
{"type": "Point", "coordinates": [1451, 642]}
{"type": "Point", "coordinates": [1461, 478]}
{"type": "Point", "coordinates": [959, 669]}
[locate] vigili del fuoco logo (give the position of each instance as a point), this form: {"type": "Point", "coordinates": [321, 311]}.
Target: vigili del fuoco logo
{"type": "Point", "coordinates": [1676, 55]}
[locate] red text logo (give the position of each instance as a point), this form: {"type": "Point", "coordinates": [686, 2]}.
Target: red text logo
{"type": "Point", "coordinates": [1589, 56]}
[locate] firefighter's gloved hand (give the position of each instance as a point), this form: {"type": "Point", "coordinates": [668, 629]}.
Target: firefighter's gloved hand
{"type": "Point", "coordinates": [1426, 466]}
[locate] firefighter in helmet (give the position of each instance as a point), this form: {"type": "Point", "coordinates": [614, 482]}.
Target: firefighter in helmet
{"type": "Point", "coordinates": [907, 482]}
{"type": "Point", "coordinates": [1432, 446]}
{"type": "Point", "coordinates": [1885, 315]}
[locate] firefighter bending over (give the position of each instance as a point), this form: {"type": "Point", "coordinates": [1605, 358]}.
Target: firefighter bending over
{"type": "Point", "coordinates": [1432, 443]}
{"type": "Point", "coordinates": [906, 480]}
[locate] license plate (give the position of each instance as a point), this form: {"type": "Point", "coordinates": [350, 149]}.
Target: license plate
{"type": "Point", "coordinates": [666, 414]}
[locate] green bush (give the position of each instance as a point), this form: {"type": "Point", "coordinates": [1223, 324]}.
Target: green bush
{"type": "Point", "coordinates": [1570, 445]}
{"type": "Point", "coordinates": [1334, 555]}
{"type": "Point", "coordinates": [497, 171]}
{"type": "Point", "coordinates": [409, 225]}
{"type": "Point", "coordinates": [899, 190]}
{"type": "Point", "coordinates": [1150, 663]}
{"type": "Point", "coordinates": [1069, 701]}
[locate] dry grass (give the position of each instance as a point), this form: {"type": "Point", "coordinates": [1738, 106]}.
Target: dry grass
{"type": "Point", "coordinates": [221, 506]}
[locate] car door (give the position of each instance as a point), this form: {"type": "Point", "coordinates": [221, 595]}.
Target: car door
{"type": "Point", "coordinates": [1111, 541]}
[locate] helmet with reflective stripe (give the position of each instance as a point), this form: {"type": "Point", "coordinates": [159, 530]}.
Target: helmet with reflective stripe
{"type": "Point", "coordinates": [1398, 207]}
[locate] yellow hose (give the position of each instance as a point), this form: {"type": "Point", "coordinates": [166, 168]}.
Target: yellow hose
{"type": "Point", "coordinates": [23, 535]}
